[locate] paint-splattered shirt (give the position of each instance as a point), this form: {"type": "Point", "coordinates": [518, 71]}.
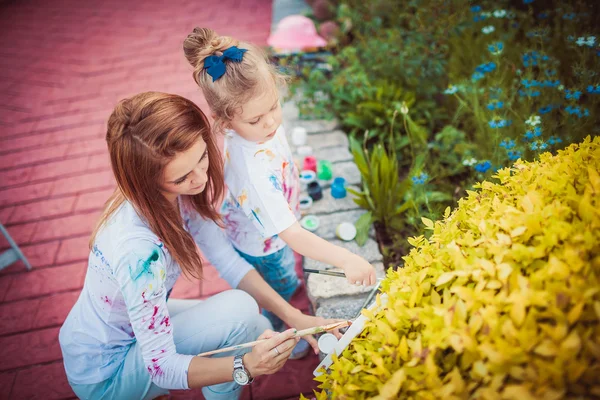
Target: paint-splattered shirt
{"type": "Point", "coordinates": [263, 193]}
{"type": "Point", "coordinates": [124, 299]}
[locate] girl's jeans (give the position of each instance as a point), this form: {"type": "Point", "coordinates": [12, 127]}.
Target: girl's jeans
{"type": "Point", "coordinates": [279, 271]}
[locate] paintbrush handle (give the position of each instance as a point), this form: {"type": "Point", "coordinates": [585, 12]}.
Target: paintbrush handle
{"type": "Point", "coordinates": [304, 332]}
{"type": "Point", "coordinates": [325, 272]}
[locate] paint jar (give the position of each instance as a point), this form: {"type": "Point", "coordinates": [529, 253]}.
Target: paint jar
{"type": "Point", "coordinates": [324, 171]}
{"type": "Point", "coordinates": [304, 151]}
{"type": "Point", "coordinates": [327, 343]}
{"type": "Point", "coordinates": [299, 136]}
{"type": "Point", "coordinates": [305, 202]}
{"type": "Point", "coordinates": [346, 231]}
{"type": "Point", "coordinates": [314, 190]}
{"type": "Point", "coordinates": [310, 223]}
{"type": "Point", "coordinates": [338, 188]}
{"type": "Point", "coordinates": [310, 163]}
{"type": "Point", "coordinates": [306, 177]}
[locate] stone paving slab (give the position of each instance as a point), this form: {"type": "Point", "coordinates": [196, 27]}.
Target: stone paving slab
{"type": "Point", "coordinates": [329, 222]}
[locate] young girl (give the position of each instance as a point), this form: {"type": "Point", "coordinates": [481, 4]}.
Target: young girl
{"type": "Point", "coordinates": [261, 208]}
{"type": "Point", "coordinates": [123, 339]}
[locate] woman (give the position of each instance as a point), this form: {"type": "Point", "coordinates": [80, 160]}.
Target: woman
{"type": "Point", "coordinates": [122, 339]}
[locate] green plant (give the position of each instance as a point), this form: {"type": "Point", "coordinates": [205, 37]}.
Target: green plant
{"type": "Point", "coordinates": [501, 302]}
{"type": "Point", "coordinates": [383, 192]}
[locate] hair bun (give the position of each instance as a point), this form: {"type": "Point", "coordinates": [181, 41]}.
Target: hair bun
{"type": "Point", "coordinates": [204, 42]}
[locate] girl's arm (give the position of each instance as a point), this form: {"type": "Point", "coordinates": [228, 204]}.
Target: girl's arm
{"type": "Point", "coordinates": [356, 268]}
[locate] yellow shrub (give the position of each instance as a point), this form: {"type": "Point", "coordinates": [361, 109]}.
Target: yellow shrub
{"type": "Point", "coordinates": [502, 302]}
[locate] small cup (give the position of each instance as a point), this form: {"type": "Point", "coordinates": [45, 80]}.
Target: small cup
{"type": "Point", "coordinates": [299, 136]}
{"type": "Point", "coordinates": [327, 343]}
{"type": "Point", "coordinates": [310, 223]}
{"type": "Point", "coordinates": [310, 163]}
{"type": "Point", "coordinates": [305, 202]}
{"type": "Point", "coordinates": [306, 177]}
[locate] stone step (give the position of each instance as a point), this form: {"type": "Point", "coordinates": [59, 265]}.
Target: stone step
{"type": "Point", "coordinates": [329, 222]}
{"type": "Point", "coordinates": [341, 307]}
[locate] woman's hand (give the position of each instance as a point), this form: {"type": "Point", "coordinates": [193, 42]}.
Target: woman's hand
{"type": "Point", "coordinates": [302, 321]}
{"type": "Point", "coordinates": [268, 357]}
{"type": "Point", "coordinates": [358, 271]}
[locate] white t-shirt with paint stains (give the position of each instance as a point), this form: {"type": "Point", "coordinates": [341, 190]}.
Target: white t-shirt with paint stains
{"type": "Point", "coordinates": [263, 193]}
{"type": "Point", "coordinates": [124, 299]}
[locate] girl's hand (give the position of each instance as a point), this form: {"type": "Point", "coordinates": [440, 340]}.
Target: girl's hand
{"type": "Point", "coordinates": [268, 357]}
{"type": "Point", "coordinates": [358, 270]}
{"type": "Point", "coordinates": [302, 321]}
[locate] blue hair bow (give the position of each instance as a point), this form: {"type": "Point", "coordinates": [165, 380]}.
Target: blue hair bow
{"type": "Point", "coordinates": [215, 65]}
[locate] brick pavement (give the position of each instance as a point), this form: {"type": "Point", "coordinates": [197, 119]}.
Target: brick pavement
{"type": "Point", "coordinates": [63, 66]}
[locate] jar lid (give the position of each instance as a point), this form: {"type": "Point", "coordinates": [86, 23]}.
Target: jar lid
{"type": "Point", "coordinates": [327, 343]}
{"type": "Point", "coordinates": [310, 222]}
{"type": "Point", "coordinates": [346, 231]}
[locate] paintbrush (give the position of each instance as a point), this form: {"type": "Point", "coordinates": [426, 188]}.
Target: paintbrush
{"type": "Point", "coordinates": [304, 332]}
{"type": "Point", "coordinates": [330, 273]}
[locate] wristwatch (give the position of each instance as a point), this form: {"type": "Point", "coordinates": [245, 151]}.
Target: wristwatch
{"type": "Point", "coordinates": [241, 376]}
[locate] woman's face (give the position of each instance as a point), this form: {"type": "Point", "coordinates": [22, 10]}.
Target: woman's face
{"type": "Point", "coordinates": [186, 174]}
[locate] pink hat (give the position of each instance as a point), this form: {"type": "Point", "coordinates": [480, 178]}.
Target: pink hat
{"type": "Point", "coordinates": [295, 32]}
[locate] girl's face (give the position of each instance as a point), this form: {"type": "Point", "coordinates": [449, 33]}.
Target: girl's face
{"type": "Point", "coordinates": [260, 118]}
{"type": "Point", "coordinates": [186, 174]}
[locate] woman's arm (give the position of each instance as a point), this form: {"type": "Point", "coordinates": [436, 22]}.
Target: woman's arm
{"type": "Point", "coordinates": [356, 268]}
{"type": "Point", "coordinates": [262, 360]}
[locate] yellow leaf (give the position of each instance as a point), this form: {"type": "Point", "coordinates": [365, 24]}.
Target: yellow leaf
{"type": "Point", "coordinates": [428, 223]}
{"type": "Point", "coordinates": [518, 231]}
{"type": "Point", "coordinates": [392, 386]}
{"type": "Point", "coordinates": [403, 348]}
{"type": "Point", "coordinates": [444, 278]}
{"type": "Point", "coordinates": [517, 392]}
{"type": "Point", "coordinates": [517, 313]}
{"type": "Point", "coordinates": [575, 312]}
{"type": "Point", "coordinates": [547, 348]}
{"type": "Point", "coordinates": [436, 300]}
{"type": "Point", "coordinates": [572, 344]}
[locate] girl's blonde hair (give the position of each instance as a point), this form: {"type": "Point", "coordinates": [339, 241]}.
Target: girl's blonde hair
{"type": "Point", "coordinates": [145, 132]}
{"type": "Point", "coordinates": [242, 81]}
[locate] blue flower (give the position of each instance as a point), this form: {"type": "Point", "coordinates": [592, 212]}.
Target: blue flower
{"type": "Point", "coordinates": [499, 123]}
{"type": "Point", "coordinates": [550, 84]}
{"type": "Point", "coordinates": [475, 8]}
{"type": "Point", "coordinates": [507, 144]}
{"type": "Point", "coordinates": [528, 84]}
{"type": "Point", "coordinates": [420, 179]}
{"type": "Point", "coordinates": [545, 109]}
{"type": "Point", "coordinates": [487, 67]}
{"type": "Point", "coordinates": [538, 145]}
{"type": "Point", "coordinates": [550, 72]}
{"type": "Point", "coordinates": [530, 59]}
{"type": "Point", "coordinates": [527, 1]}
{"type": "Point", "coordinates": [570, 16]}
{"type": "Point", "coordinates": [514, 155]}
{"type": "Point", "coordinates": [483, 166]}
{"type": "Point", "coordinates": [495, 105]}
{"type": "Point", "coordinates": [554, 140]}
{"type": "Point", "coordinates": [477, 76]}
{"type": "Point", "coordinates": [593, 89]}
{"type": "Point", "coordinates": [535, 132]}
{"type": "Point", "coordinates": [572, 95]}
{"type": "Point", "coordinates": [496, 48]}
{"type": "Point", "coordinates": [542, 15]}
{"type": "Point", "coordinates": [529, 93]}
{"type": "Point", "coordinates": [478, 18]}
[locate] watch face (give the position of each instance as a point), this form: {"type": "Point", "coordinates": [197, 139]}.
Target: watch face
{"type": "Point", "coordinates": [240, 377]}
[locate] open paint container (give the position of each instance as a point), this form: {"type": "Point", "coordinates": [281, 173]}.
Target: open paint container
{"type": "Point", "coordinates": [327, 343]}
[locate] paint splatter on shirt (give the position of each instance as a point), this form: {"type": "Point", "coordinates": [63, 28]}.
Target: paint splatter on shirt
{"type": "Point", "coordinates": [124, 299]}
{"type": "Point", "coordinates": [263, 193]}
